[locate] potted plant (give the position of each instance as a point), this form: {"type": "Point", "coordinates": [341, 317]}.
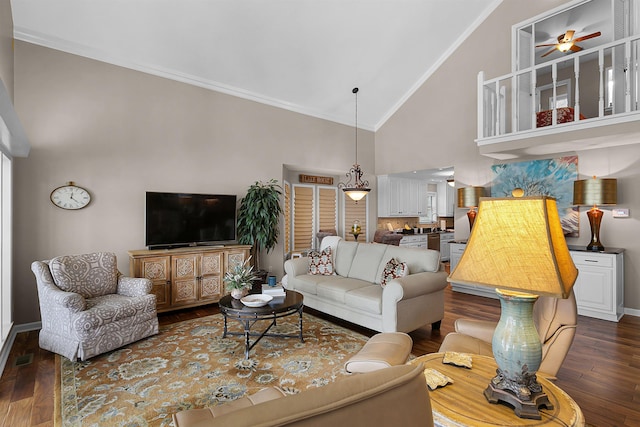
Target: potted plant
{"type": "Point", "coordinates": [258, 218]}
{"type": "Point", "coordinates": [239, 279]}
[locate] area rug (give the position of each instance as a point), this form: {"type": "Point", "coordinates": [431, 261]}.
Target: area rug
{"type": "Point", "coordinates": [189, 365]}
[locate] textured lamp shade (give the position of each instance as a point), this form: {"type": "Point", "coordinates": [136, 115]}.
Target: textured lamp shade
{"type": "Point", "coordinates": [518, 244]}
{"type": "Point", "coordinates": [469, 197]}
{"type": "Point", "coordinates": [595, 191]}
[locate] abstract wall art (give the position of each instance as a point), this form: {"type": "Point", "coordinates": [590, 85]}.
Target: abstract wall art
{"type": "Point", "coordinates": [549, 177]}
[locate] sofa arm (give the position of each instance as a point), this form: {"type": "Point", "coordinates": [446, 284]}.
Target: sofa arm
{"type": "Point", "coordinates": [415, 285]}
{"type": "Point", "coordinates": [133, 286]}
{"type": "Point", "coordinates": [296, 266]}
{"type": "Point", "coordinates": [480, 329]}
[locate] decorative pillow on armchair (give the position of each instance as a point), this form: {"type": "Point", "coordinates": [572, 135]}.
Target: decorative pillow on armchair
{"type": "Point", "coordinates": [89, 275]}
{"type": "Point", "coordinates": [393, 270]}
{"type": "Point", "coordinates": [320, 262]}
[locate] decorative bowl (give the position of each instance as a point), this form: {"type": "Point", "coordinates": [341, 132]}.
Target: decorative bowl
{"type": "Point", "coordinates": [256, 300]}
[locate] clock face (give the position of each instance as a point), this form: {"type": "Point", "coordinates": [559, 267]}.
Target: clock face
{"type": "Point", "coordinates": [70, 197]}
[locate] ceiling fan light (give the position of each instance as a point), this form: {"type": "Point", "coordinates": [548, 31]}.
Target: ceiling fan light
{"type": "Point", "coordinates": [565, 47]}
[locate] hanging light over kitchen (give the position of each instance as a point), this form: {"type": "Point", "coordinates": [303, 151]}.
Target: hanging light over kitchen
{"type": "Point", "coordinates": [359, 188]}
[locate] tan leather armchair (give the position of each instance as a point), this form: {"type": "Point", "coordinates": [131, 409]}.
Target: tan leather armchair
{"type": "Point", "coordinates": [395, 396]}
{"type": "Point", "coordinates": [555, 319]}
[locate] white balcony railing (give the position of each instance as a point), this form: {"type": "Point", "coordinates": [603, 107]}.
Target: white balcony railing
{"type": "Point", "coordinates": [598, 84]}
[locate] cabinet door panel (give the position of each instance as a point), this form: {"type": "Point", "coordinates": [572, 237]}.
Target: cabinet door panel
{"type": "Point", "coordinates": [593, 288]}
{"type": "Point", "coordinates": [184, 276]}
{"type": "Point", "coordinates": [157, 269]}
{"type": "Point", "coordinates": [211, 276]}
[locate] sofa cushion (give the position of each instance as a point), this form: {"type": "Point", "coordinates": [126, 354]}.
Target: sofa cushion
{"type": "Point", "coordinates": [344, 257]}
{"type": "Point", "coordinates": [90, 275]}
{"type": "Point", "coordinates": [366, 298]}
{"type": "Point", "coordinates": [366, 262]}
{"type": "Point", "coordinates": [393, 269]}
{"type": "Point", "coordinates": [321, 262]}
{"type": "Point", "coordinates": [337, 288]}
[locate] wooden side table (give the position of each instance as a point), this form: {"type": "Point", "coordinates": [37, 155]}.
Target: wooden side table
{"type": "Point", "coordinates": [462, 403]}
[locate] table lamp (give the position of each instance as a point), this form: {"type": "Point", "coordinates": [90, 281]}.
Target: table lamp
{"type": "Point", "coordinates": [518, 247]}
{"type": "Point", "coordinates": [469, 197]}
{"type": "Point", "coordinates": [593, 192]}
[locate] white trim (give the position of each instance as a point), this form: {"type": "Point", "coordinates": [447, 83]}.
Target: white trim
{"type": "Point", "coordinates": [15, 330]}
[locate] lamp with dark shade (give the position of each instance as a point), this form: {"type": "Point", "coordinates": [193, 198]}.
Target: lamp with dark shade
{"type": "Point", "coordinates": [593, 192]}
{"type": "Point", "coordinates": [517, 246]}
{"type": "Point", "coordinates": [469, 197]}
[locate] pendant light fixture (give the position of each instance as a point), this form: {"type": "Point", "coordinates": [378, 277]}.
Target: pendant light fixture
{"type": "Point", "coordinates": [357, 189]}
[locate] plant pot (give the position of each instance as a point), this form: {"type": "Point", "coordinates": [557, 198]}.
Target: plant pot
{"type": "Point", "coordinates": [238, 293]}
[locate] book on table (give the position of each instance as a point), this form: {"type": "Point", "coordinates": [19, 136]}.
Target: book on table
{"type": "Point", "coordinates": [274, 291]}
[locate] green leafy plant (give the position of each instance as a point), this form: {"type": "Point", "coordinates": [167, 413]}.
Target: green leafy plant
{"type": "Point", "coordinates": [258, 218]}
{"type": "Point", "coordinates": [241, 276]}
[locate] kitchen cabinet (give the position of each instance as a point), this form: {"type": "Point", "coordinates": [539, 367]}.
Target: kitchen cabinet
{"type": "Point", "coordinates": [446, 199]}
{"type": "Point", "coordinates": [445, 239]}
{"type": "Point", "coordinates": [414, 241]}
{"type": "Point", "coordinates": [401, 196]}
{"type": "Point", "coordinates": [599, 288]}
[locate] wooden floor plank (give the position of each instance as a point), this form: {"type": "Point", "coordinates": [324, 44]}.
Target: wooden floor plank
{"type": "Point", "coordinates": [601, 371]}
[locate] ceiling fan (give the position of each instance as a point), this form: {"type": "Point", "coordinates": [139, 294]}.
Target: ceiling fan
{"type": "Point", "coordinates": [566, 42]}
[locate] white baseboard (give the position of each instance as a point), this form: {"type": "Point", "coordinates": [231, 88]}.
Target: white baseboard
{"type": "Point", "coordinates": [15, 330]}
{"type": "Point", "coordinates": [632, 312]}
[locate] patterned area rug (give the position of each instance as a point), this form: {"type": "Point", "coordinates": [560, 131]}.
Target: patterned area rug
{"type": "Point", "coordinates": [189, 365]}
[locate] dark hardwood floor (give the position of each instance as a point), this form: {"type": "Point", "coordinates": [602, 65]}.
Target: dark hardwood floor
{"type": "Point", "coordinates": [601, 372]}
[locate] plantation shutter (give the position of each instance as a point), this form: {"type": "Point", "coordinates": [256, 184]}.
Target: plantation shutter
{"type": "Point", "coordinates": [327, 209]}
{"type": "Point", "coordinates": [353, 212]}
{"type": "Point", "coordinates": [287, 217]}
{"type": "Point", "coordinates": [303, 217]}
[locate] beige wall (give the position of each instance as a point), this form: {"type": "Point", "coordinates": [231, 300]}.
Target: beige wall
{"type": "Point", "coordinates": [6, 46]}
{"type": "Point", "coordinates": [119, 132]}
{"type": "Point", "coordinates": [437, 125]}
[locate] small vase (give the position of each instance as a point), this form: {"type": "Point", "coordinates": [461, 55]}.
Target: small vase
{"type": "Point", "coordinates": [238, 293]}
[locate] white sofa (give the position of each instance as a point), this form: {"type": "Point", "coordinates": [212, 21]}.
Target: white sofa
{"type": "Point", "coordinates": [354, 293]}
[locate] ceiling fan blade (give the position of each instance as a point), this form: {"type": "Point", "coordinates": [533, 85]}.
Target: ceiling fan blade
{"type": "Point", "coordinates": [542, 45]}
{"type": "Point", "coordinates": [587, 37]}
{"type": "Point", "coordinates": [575, 48]}
{"type": "Point", "coordinates": [566, 37]}
{"type": "Point", "coordinates": [548, 53]}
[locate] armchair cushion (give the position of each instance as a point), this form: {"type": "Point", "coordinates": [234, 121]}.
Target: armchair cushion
{"type": "Point", "coordinates": [90, 275]}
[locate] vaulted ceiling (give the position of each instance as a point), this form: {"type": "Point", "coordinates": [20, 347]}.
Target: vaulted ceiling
{"type": "Point", "coordinates": [301, 55]}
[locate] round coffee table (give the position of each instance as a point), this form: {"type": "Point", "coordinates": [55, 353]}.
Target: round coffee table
{"type": "Point", "coordinates": [232, 308]}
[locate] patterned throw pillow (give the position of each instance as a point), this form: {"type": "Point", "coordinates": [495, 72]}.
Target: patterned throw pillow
{"type": "Point", "coordinates": [320, 262]}
{"type": "Point", "coordinates": [393, 270]}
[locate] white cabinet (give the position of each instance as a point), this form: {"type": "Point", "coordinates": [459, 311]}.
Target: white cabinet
{"type": "Point", "coordinates": [401, 196]}
{"type": "Point", "coordinates": [446, 199]}
{"type": "Point", "coordinates": [455, 250]}
{"type": "Point", "coordinates": [599, 288]}
{"type": "Point", "coordinates": [414, 241]}
{"type": "Point", "coordinates": [445, 246]}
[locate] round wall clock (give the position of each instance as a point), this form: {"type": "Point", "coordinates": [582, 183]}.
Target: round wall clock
{"type": "Point", "coordinates": [70, 196]}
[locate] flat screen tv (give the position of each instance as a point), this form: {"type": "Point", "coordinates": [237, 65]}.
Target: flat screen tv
{"type": "Point", "coordinates": [184, 219]}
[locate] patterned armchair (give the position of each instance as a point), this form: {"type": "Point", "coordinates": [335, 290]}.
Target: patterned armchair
{"type": "Point", "coordinates": [88, 307]}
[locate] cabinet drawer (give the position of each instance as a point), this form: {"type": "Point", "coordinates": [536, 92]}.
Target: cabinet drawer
{"type": "Point", "coordinates": [594, 260]}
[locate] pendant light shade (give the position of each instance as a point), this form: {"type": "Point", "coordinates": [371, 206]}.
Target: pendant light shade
{"type": "Point", "coordinates": [355, 187]}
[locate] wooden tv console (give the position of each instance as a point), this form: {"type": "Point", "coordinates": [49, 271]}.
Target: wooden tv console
{"type": "Point", "coordinates": [186, 277]}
